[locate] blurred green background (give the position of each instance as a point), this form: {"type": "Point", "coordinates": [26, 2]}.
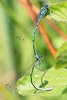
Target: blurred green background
{"type": "Point", "coordinates": [16, 54]}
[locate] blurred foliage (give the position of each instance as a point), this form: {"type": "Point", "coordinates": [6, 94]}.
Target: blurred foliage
{"type": "Point", "coordinates": [61, 59]}
{"type": "Point", "coordinates": [17, 55]}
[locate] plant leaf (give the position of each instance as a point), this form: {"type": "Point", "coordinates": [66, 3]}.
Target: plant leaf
{"type": "Point", "coordinates": [59, 12]}
{"type": "Point", "coordinates": [55, 78]}
{"type": "Point", "coordinates": [61, 58]}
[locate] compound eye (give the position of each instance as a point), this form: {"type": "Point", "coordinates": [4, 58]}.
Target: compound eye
{"type": "Point", "coordinates": [46, 6]}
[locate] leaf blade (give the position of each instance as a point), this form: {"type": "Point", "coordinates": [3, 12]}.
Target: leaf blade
{"type": "Point", "coordinates": [59, 12]}
{"type": "Point", "coordinates": [61, 58]}
{"type": "Point", "coordinates": [56, 78]}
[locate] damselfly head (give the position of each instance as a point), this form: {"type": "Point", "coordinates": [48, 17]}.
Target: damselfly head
{"type": "Point", "coordinates": [48, 10]}
{"type": "Point", "coordinates": [46, 6]}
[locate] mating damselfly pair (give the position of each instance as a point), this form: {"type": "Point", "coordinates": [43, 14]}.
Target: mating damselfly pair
{"type": "Point", "coordinates": [34, 80]}
{"type": "Point", "coordinates": [43, 13]}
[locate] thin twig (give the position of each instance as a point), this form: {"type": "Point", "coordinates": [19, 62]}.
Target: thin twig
{"type": "Point", "coordinates": [57, 29]}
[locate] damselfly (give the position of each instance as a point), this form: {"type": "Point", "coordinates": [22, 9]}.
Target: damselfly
{"type": "Point", "coordinates": [43, 13]}
{"type": "Point", "coordinates": [34, 85]}
{"type": "Point", "coordinates": [38, 69]}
